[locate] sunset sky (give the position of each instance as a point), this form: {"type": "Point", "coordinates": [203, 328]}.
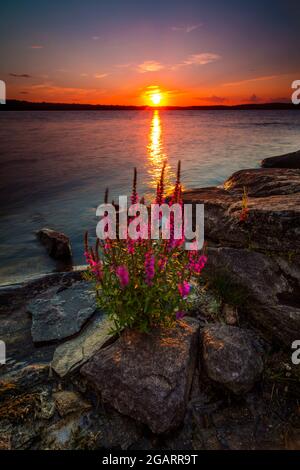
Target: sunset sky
{"type": "Point", "coordinates": [191, 52]}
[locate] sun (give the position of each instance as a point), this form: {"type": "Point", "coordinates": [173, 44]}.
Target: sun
{"type": "Point", "coordinates": [156, 98]}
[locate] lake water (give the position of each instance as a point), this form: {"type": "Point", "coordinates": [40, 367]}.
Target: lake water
{"type": "Point", "coordinates": [55, 166]}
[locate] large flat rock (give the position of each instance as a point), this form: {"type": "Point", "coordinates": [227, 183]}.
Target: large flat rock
{"type": "Point", "coordinates": [148, 376]}
{"type": "Point", "coordinates": [72, 354]}
{"type": "Point", "coordinates": [58, 314]}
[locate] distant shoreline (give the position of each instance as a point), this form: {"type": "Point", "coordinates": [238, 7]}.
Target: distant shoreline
{"type": "Point", "coordinates": [15, 105]}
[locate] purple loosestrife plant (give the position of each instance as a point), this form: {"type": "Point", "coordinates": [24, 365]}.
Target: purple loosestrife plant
{"type": "Point", "coordinates": [144, 283]}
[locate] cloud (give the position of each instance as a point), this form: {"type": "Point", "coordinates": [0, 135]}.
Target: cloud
{"type": "Point", "coordinates": [187, 28]}
{"type": "Point", "coordinates": [150, 66]}
{"type": "Point", "coordinates": [20, 75]}
{"type": "Point", "coordinates": [197, 59]}
{"type": "Point", "coordinates": [250, 80]}
{"type": "Point", "coordinates": [84, 75]}
{"type": "Point", "coordinates": [59, 93]}
{"type": "Point", "coordinates": [36, 46]}
{"type": "Point", "coordinates": [212, 99]}
{"type": "Point", "coordinates": [95, 38]}
{"type": "Point", "coordinates": [194, 59]}
{"type": "Point", "coordinates": [201, 59]}
{"type": "Point", "coordinates": [101, 75]}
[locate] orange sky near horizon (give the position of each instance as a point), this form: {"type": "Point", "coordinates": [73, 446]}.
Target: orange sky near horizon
{"type": "Point", "coordinates": [253, 90]}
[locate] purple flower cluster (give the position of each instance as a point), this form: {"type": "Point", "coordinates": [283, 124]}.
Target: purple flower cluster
{"type": "Point", "coordinates": [123, 275]}
{"type": "Point", "coordinates": [149, 267]}
{"type": "Point", "coordinates": [184, 289]}
{"type": "Point", "coordinates": [196, 262]}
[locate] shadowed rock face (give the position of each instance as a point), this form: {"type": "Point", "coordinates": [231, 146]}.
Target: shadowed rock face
{"type": "Point", "coordinates": [148, 376]}
{"type": "Point", "coordinates": [290, 160]}
{"type": "Point", "coordinates": [232, 357]}
{"type": "Point", "coordinates": [274, 301]}
{"type": "Point", "coordinates": [261, 253]}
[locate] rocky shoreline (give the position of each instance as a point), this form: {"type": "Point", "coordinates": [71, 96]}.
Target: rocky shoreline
{"type": "Point", "coordinates": [222, 379]}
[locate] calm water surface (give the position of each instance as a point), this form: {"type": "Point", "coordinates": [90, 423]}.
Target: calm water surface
{"type": "Point", "coordinates": [55, 166]}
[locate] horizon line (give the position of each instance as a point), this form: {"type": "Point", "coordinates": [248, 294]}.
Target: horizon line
{"type": "Point", "coordinates": [23, 104]}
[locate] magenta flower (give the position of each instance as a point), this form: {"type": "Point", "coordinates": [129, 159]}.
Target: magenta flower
{"type": "Point", "coordinates": [196, 263]}
{"type": "Point", "coordinates": [149, 267]}
{"type": "Point", "coordinates": [123, 275]}
{"type": "Point", "coordinates": [88, 257]}
{"type": "Point", "coordinates": [184, 289]}
{"type": "Point", "coordinates": [97, 270]}
{"type": "Point", "coordinates": [96, 266]}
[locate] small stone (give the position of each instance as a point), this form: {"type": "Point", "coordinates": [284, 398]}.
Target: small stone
{"type": "Point", "coordinates": [69, 402]}
{"type": "Point", "coordinates": [5, 441]}
{"type": "Point", "coordinates": [57, 244]}
{"type": "Point", "coordinates": [46, 408]}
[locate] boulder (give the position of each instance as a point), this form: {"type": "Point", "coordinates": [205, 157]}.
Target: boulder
{"type": "Point", "coordinates": [262, 252]}
{"type": "Point", "coordinates": [289, 160]}
{"type": "Point", "coordinates": [232, 357]}
{"type": "Point", "coordinates": [148, 376]}
{"type": "Point", "coordinates": [273, 219]}
{"type": "Point", "coordinates": [273, 301]}
{"type": "Point", "coordinates": [60, 313]}
{"type": "Point", "coordinates": [57, 244]}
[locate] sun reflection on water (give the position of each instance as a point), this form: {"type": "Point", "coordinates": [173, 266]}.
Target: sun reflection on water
{"type": "Point", "coordinates": [157, 156]}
